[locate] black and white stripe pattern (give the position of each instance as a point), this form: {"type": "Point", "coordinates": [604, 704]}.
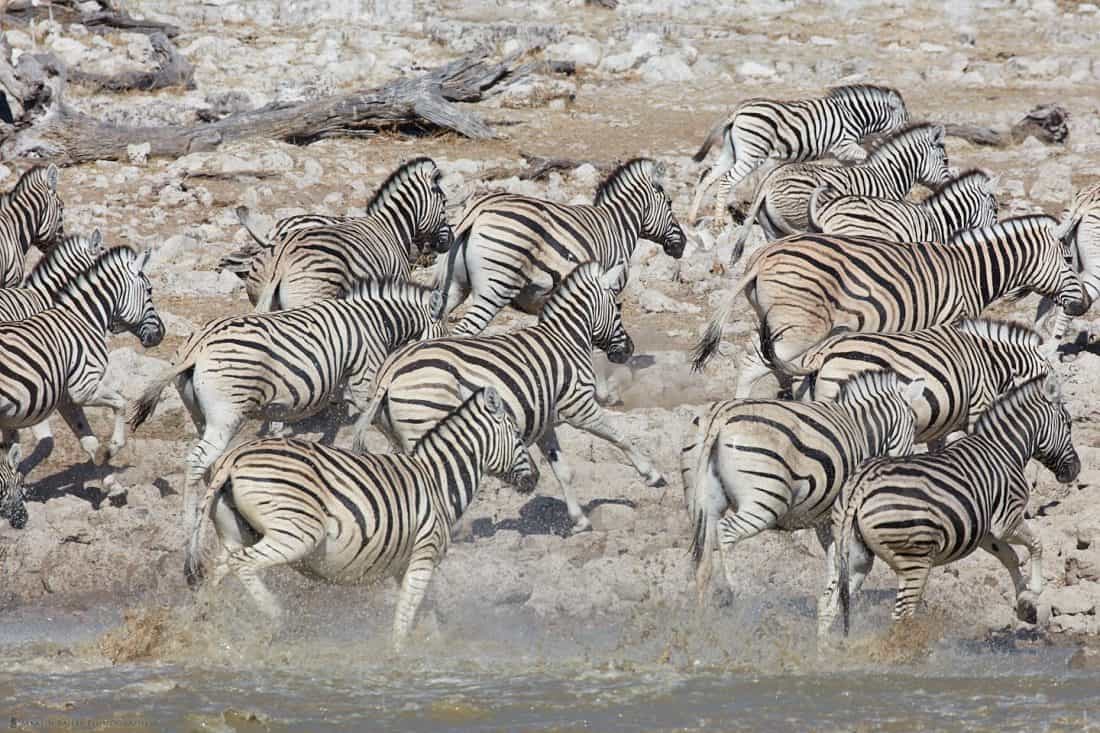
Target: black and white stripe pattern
{"type": "Point", "coordinates": [320, 262]}
{"type": "Point", "coordinates": [56, 359]}
{"type": "Point", "coordinates": [1080, 233]}
{"type": "Point", "coordinates": [30, 214]}
{"type": "Point", "coordinates": [964, 368]}
{"type": "Point", "coordinates": [782, 204]}
{"type": "Point", "coordinates": [543, 373]}
{"type": "Point", "coordinates": [357, 518]}
{"type": "Point", "coordinates": [802, 288]}
{"type": "Point", "coordinates": [779, 464]}
{"type": "Point", "coordinates": [965, 202]}
{"type": "Point", "coordinates": [57, 268]}
{"type": "Point", "coordinates": [933, 509]}
{"type": "Point", "coordinates": [285, 366]}
{"type": "Point", "coordinates": [760, 130]}
{"type": "Point", "coordinates": [512, 249]}
{"type": "Point", "coordinates": [11, 488]}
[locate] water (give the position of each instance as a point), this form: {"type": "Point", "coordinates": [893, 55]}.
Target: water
{"type": "Point", "coordinates": [219, 669]}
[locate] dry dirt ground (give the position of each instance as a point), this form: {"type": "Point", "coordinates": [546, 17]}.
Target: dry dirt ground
{"type": "Point", "coordinates": [651, 80]}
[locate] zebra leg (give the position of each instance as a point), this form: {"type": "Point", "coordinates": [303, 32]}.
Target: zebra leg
{"type": "Point", "coordinates": [860, 562]}
{"type": "Point", "coordinates": [233, 534]}
{"type": "Point", "coordinates": [753, 369]}
{"type": "Point", "coordinates": [43, 447]}
{"type": "Point", "coordinates": [185, 385]}
{"type": "Point", "coordinates": [1000, 549]}
{"type": "Point", "coordinates": [1022, 535]}
{"type": "Point", "coordinates": [296, 539]}
{"type": "Point", "coordinates": [548, 444]}
{"type": "Point", "coordinates": [718, 170]}
{"type": "Point", "coordinates": [487, 299]}
{"type": "Point", "coordinates": [214, 442]}
{"type": "Point", "coordinates": [73, 415]}
{"type": "Point", "coordinates": [597, 425]}
{"type": "Point", "coordinates": [911, 581]}
{"type": "Point", "coordinates": [117, 403]}
{"type": "Point", "coordinates": [413, 587]}
{"type": "Point", "coordinates": [742, 169]}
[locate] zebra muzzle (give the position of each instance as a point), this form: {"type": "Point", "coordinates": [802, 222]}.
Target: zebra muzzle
{"type": "Point", "coordinates": [674, 242]}
{"type": "Point", "coordinates": [623, 353]}
{"type": "Point", "coordinates": [1067, 472]}
{"type": "Point", "coordinates": [444, 236]}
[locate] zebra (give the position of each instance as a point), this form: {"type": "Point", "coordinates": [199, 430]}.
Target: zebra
{"type": "Point", "coordinates": [57, 267]}
{"type": "Point", "coordinates": [936, 508]}
{"type": "Point", "coordinates": [512, 249]}
{"type": "Point", "coordinates": [57, 358]}
{"type": "Point", "coordinates": [12, 490]}
{"type": "Point", "coordinates": [356, 519]}
{"type": "Point", "coordinates": [1080, 233]}
{"type": "Point", "coordinates": [802, 288]}
{"type": "Point", "coordinates": [915, 154]}
{"type": "Point", "coordinates": [544, 375]}
{"type": "Point", "coordinates": [322, 262]}
{"type": "Point", "coordinates": [780, 464]}
{"type": "Point", "coordinates": [285, 365]}
{"type": "Point", "coordinates": [30, 214]}
{"type": "Point", "coordinates": [240, 261]}
{"type": "Point", "coordinates": [964, 367]}
{"type": "Point", "coordinates": [967, 201]}
{"type": "Point", "coordinates": [762, 130]}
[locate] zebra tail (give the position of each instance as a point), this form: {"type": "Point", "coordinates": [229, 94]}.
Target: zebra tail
{"type": "Point", "coordinates": [380, 389]}
{"type": "Point", "coordinates": [193, 562]}
{"type": "Point", "coordinates": [816, 202]}
{"type": "Point", "coordinates": [746, 225]}
{"type": "Point", "coordinates": [844, 529]}
{"type": "Point", "coordinates": [139, 410]}
{"type": "Point", "coordinates": [243, 216]}
{"type": "Point", "coordinates": [443, 285]}
{"type": "Point", "coordinates": [265, 301]}
{"type": "Point", "coordinates": [704, 531]}
{"type": "Point", "coordinates": [712, 337]}
{"type": "Point", "coordinates": [712, 137]}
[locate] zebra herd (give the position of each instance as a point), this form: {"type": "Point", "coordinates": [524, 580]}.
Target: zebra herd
{"type": "Point", "coordinates": [869, 309]}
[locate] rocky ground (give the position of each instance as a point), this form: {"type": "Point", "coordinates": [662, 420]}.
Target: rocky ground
{"type": "Point", "coordinates": [651, 80]}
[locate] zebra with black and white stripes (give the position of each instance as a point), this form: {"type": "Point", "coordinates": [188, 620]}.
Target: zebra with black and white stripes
{"type": "Point", "coordinates": [56, 359]}
{"type": "Point", "coordinates": [967, 201]}
{"type": "Point", "coordinates": [12, 491]}
{"type": "Point", "coordinates": [320, 262]}
{"type": "Point", "coordinates": [30, 214]}
{"type": "Point", "coordinates": [933, 509]}
{"type": "Point", "coordinates": [357, 519]}
{"type": "Point", "coordinates": [1079, 231]}
{"type": "Point", "coordinates": [915, 154]}
{"type": "Point", "coordinates": [285, 366]}
{"type": "Point", "coordinates": [543, 373]}
{"type": "Point", "coordinates": [779, 464]}
{"type": "Point", "coordinates": [964, 368]}
{"type": "Point", "coordinates": [513, 249]}
{"type": "Point", "coordinates": [762, 130]}
{"type": "Point", "coordinates": [802, 288]}
{"type": "Point", "coordinates": [57, 268]}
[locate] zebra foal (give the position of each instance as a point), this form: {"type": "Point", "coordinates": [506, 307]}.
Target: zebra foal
{"type": "Point", "coordinates": [30, 214]}
{"type": "Point", "coordinates": [512, 249]}
{"type": "Point", "coordinates": [543, 373]}
{"type": "Point", "coordinates": [802, 288]}
{"type": "Point", "coordinates": [968, 201]}
{"type": "Point", "coordinates": [760, 130]}
{"type": "Point", "coordinates": [284, 366]}
{"type": "Point", "coordinates": [354, 519]}
{"type": "Point", "coordinates": [779, 464]}
{"type": "Point", "coordinates": [933, 509]}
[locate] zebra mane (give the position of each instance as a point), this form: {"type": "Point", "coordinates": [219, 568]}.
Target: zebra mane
{"type": "Point", "coordinates": [1005, 332]}
{"type": "Point", "coordinates": [647, 166]}
{"type": "Point", "coordinates": [1013, 224]}
{"type": "Point", "coordinates": [858, 90]}
{"type": "Point", "coordinates": [443, 424]}
{"type": "Point", "coordinates": [867, 384]}
{"type": "Point", "coordinates": [29, 178]}
{"type": "Point", "coordinates": [395, 179]}
{"type": "Point", "coordinates": [586, 271]}
{"type": "Point", "coordinates": [959, 180]}
{"type": "Point", "coordinates": [898, 138]}
{"type": "Point", "coordinates": [1009, 402]}
{"type": "Point", "coordinates": [369, 289]}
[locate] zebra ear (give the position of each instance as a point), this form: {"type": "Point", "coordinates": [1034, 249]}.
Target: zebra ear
{"type": "Point", "coordinates": [51, 177]}
{"type": "Point", "coordinates": [138, 265]}
{"type": "Point", "coordinates": [1052, 390]}
{"type": "Point", "coordinates": [15, 455]}
{"type": "Point", "coordinates": [492, 401]}
{"type": "Point", "coordinates": [659, 170]}
{"type": "Point", "coordinates": [614, 279]}
{"type": "Point", "coordinates": [95, 241]}
{"type": "Point", "coordinates": [939, 134]}
{"type": "Point", "coordinates": [914, 390]}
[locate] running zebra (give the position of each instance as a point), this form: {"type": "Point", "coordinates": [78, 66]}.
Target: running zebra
{"type": "Point", "coordinates": [12, 490]}
{"type": "Point", "coordinates": [779, 464]}
{"type": "Point", "coordinates": [543, 373]}
{"type": "Point", "coordinates": [782, 204]}
{"type": "Point", "coordinates": [56, 269]}
{"type": "Point", "coordinates": [933, 509]}
{"type": "Point", "coordinates": [1080, 233]}
{"type": "Point", "coordinates": [321, 262]}
{"type": "Point", "coordinates": [30, 214]}
{"type": "Point", "coordinates": [965, 202]}
{"type": "Point", "coordinates": [57, 358]}
{"type": "Point", "coordinates": [354, 519]}
{"type": "Point", "coordinates": [760, 130]}
{"type": "Point", "coordinates": [512, 249]}
{"type": "Point", "coordinates": [964, 367]}
{"type": "Point", "coordinates": [240, 261]}
{"type": "Point", "coordinates": [285, 366]}
{"type": "Point", "coordinates": [802, 288]}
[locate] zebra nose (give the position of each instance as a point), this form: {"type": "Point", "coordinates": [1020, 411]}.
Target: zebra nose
{"type": "Point", "coordinates": [1077, 307]}
{"type": "Point", "coordinates": [1069, 471]}
{"type": "Point", "coordinates": [443, 238]}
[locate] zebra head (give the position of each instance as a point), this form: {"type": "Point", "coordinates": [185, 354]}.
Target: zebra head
{"type": "Point", "coordinates": [507, 456]}
{"type": "Point", "coordinates": [884, 404]}
{"type": "Point", "coordinates": [934, 168]}
{"type": "Point", "coordinates": [134, 310]}
{"type": "Point", "coordinates": [11, 488]}
{"type": "Point", "coordinates": [1054, 448]}
{"type": "Point", "coordinates": [1058, 278]}
{"type": "Point", "coordinates": [638, 185]}
{"type": "Point", "coordinates": [608, 332]}
{"type": "Point", "coordinates": [36, 195]}
{"type": "Point", "coordinates": [1033, 422]}
{"type": "Point", "coordinates": [412, 199]}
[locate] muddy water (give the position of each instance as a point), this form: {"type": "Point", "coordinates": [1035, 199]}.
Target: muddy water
{"type": "Point", "coordinates": [219, 668]}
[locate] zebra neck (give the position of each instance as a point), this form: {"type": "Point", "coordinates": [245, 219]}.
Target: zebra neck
{"type": "Point", "coordinates": [455, 455]}
{"type": "Point", "coordinates": [48, 277]}
{"type": "Point", "coordinates": [895, 169]}
{"type": "Point", "coordinates": [624, 217]}
{"type": "Point", "coordinates": [573, 322]}
{"type": "Point", "coordinates": [91, 298]}
{"type": "Point", "coordinates": [992, 271]}
{"type": "Point", "coordinates": [19, 218]}
{"type": "Point", "coordinates": [396, 220]}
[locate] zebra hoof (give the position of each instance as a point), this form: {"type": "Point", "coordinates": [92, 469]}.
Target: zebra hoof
{"type": "Point", "coordinates": [1027, 611]}
{"type": "Point", "coordinates": [102, 455]}
{"type": "Point", "coordinates": [581, 524]}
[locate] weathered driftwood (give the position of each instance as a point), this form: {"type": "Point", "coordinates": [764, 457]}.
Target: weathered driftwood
{"type": "Point", "coordinates": [171, 70]}
{"type": "Point", "coordinates": [538, 167]}
{"type": "Point", "coordinates": [1047, 123]}
{"type": "Point", "coordinates": [67, 12]}
{"type": "Point", "coordinates": [66, 136]}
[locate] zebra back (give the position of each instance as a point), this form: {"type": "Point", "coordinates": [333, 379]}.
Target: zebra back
{"type": "Point", "coordinates": [30, 214]}
{"type": "Point", "coordinates": [870, 108]}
